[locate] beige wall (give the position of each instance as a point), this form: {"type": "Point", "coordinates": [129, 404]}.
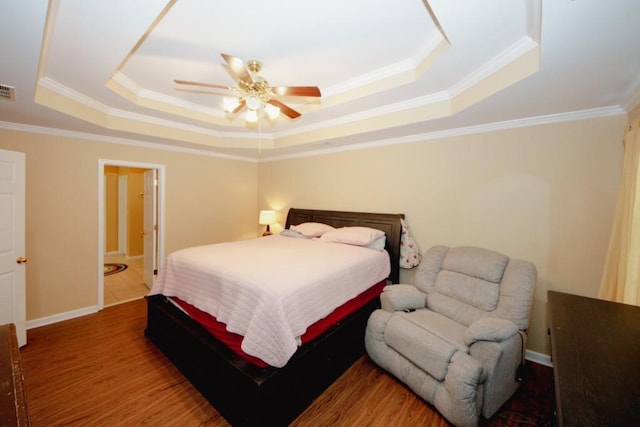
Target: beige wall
{"type": "Point", "coordinates": [135, 209]}
{"type": "Point", "coordinates": [208, 199]}
{"type": "Point", "coordinates": [545, 193]}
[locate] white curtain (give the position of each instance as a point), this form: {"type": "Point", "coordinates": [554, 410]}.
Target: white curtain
{"type": "Point", "coordinates": [621, 277]}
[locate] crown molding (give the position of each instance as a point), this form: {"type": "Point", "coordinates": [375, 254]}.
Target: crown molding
{"type": "Point", "coordinates": [469, 130]}
{"type": "Point", "coordinates": [116, 140]}
{"type": "Point", "coordinates": [449, 133]}
{"type": "Point", "coordinates": [534, 20]}
{"type": "Point", "coordinates": [506, 57]}
{"type": "Point", "coordinates": [73, 95]}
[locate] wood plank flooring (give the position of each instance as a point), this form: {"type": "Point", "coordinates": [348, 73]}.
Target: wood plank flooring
{"type": "Point", "coordinates": [100, 370]}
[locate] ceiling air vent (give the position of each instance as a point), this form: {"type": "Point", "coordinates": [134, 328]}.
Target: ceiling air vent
{"type": "Point", "coordinates": [7, 92]}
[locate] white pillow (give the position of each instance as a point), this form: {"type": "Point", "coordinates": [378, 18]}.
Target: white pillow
{"type": "Point", "coordinates": [312, 229]}
{"type": "Point", "coordinates": [293, 233]}
{"type": "Point", "coordinates": [358, 236]}
{"type": "Point", "coordinates": [378, 244]}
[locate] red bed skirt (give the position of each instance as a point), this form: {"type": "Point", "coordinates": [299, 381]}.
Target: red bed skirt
{"type": "Point", "coordinates": [234, 341]}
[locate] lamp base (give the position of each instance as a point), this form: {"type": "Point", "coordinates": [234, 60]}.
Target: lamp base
{"type": "Point", "coordinates": [267, 232]}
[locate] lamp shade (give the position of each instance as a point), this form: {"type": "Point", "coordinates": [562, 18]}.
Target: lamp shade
{"type": "Point", "coordinates": [251, 116]}
{"type": "Point", "coordinates": [230, 104]}
{"type": "Point", "coordinates": [272, 111]}
{"type": "Point", "coordinates": [267, 217]}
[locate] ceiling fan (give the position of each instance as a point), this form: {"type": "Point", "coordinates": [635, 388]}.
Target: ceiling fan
{"type": "Point", "coordinates": [254, 92]}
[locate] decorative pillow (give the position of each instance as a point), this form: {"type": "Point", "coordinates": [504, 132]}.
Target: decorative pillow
{"type": "Point", "coordinates": [312, 229]}
{"type": "Point", "coordinates": [358, 236]}
{"type": "Point", "coordinates": [409, 252]}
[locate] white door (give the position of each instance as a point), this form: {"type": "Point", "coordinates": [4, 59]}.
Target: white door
{"type": "Point", "coordinates": [12, 245]}
{"type": "Point", "coordinates": [150, 226]}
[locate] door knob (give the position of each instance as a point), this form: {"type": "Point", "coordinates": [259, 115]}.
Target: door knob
{"type": "Point", "coordinates": [21, 260]}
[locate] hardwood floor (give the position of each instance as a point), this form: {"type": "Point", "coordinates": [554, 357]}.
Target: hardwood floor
{"type": "Point", "coordinates": [101, 370]}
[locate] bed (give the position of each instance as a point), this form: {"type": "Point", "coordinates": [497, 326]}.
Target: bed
{"type": "Point", "coordinates": [247, 394]}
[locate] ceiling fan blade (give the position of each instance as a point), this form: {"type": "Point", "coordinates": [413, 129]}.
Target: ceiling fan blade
{"type": "Point", "coordinates": [230, 72]}
{"type": "Point", "coordinates": [284, 109]}
{"type": "Point", "coordinates": [237, 66]}
{"type": "Point", "coordinates": [296, 91]}
{"type": "Point", "coordinates": [186, 82]}
{"type": "Point", "coordinates": [239, 107]}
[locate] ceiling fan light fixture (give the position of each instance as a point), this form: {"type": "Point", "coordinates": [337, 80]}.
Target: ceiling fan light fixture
{"type": "Point", "coordinates": [230, 104]}
{"type": "Point", "coordinates": [251, 116]}
{"type": "Point", "coordinates": [253, 92]}
{"type": "Point", "coordinates": [272, 111]}
{"type": "Point", "coordinates": [253, 102]}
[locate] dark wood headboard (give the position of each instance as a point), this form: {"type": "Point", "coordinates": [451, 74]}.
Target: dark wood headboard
{"type": "Point", "coordinates": [389, 223]}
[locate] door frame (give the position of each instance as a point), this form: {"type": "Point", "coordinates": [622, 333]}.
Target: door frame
{"type": "Point", "coordinates": [122, 214]}
{"type": "Point", "coordinates": [150, 227]}
{"type": "Point", "coordinates": [160, 169]}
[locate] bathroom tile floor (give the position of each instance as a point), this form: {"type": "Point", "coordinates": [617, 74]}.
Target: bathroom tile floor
{"type": "Point", "coordinates": [125, 285]}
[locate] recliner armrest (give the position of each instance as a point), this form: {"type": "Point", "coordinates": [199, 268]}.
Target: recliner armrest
{"type": "Point", "coordinates": [488, 329]}
{"type": "Point", "coordinates": [402, 297]}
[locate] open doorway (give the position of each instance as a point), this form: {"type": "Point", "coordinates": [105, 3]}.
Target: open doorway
{"type": "Point", "coordinates": [130, 227]}
{"type": "Point", "coordinates": [129, 193]}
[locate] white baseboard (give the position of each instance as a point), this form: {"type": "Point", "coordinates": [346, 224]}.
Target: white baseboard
{"type": "Point", "coordinates": [540, 358]}
{"type": "Point", "coordinates": [118, 253]}
{"type": "Point", "coordinates": [36, 323]}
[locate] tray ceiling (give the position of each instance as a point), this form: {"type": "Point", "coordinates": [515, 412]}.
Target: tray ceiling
{"type": "Point", "coordinates": [387, 70]}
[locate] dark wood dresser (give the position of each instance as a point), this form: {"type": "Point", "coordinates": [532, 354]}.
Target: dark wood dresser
{"type": "Point", "coordinates": [13, 404]}
{"type": "Point", "coordinates": [595, 348]}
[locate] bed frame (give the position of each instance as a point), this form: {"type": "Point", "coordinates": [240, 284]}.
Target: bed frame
{"type": "Point", "coordinates": [247, 395]}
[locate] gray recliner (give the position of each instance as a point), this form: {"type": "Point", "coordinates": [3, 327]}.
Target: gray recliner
{"type": "Point", "coordinates": [456, 336]}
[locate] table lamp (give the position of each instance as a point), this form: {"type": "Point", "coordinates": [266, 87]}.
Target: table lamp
{"type": "Point", "coordinates": [267, 218]}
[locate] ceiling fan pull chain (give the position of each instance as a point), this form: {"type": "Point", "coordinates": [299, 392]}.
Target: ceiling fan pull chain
{"type": "Point", "coordinates": [259, 135]}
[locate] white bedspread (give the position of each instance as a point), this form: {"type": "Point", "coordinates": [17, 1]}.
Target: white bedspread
{"type": "Point", "coordinates": [270, 289]}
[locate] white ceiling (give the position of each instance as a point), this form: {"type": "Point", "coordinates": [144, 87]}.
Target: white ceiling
{"type": "Point", "coordinates": [389, 71]}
